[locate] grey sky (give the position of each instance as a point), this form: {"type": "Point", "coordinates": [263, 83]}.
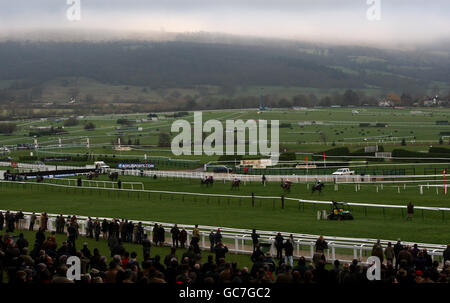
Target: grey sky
{"type": "Point", "coordinates": [402, 21]}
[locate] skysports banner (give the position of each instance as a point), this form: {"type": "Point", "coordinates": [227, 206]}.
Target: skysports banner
{"type": "Point", "coordinates": [135, 165]}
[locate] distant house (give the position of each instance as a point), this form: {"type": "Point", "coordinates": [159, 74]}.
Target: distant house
{"type": "Point", "coordinates": [430, 102]}
{"type": "Point", "coordinates": [385, 103]}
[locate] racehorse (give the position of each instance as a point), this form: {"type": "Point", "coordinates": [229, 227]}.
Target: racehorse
{"type": "Point", "coordinates": [286, 186]}
{"type": "Point", "coordinates": [318, 187]}
{"type": "Point", "coordinates": [92, 175]}
{"type": "Point", "coordinates": [114, 176]}
{"type": "Point", "coordinates": [235, 184]}
{"type": "Point", "coordinates": [208, 181]}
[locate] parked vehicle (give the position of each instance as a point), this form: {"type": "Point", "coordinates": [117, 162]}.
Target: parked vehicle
{"type": "Point", "coordinates": [343, 171]}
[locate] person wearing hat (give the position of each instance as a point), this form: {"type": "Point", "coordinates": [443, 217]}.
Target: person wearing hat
{"type": "Point", "coordinates": [217, 236]}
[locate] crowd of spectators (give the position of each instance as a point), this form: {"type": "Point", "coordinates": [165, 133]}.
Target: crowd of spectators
{"type": "Point", "coordinates": [45, 260]}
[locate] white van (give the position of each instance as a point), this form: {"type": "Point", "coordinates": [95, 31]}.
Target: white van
{"type": "Point", "coordinates": [102, 166]}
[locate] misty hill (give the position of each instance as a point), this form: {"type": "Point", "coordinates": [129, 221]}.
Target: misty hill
{"type": "Point", "coordinates": [186, 64]}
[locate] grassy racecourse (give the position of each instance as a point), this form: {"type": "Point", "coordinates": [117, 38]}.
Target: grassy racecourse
{"type": "Point", "coordinates": [432, 227]}
{"type": "Point", "coordinates": [311, 130]}
{"type": "Point", "coordinates": [346, 192]}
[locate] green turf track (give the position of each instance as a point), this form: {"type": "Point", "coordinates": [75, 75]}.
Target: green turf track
{"type": "Point", "coordinates": [432, 227]}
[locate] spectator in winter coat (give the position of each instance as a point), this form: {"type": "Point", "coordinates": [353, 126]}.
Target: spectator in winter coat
{"type": "Point", "coordinates": [288, 253]}
{"type": "Point", "coordinates": [389, 253]}
{"type": "Point", "coordinates": [377, 250]}
{"type": "Point", "coordinates": [279, 245]}
{"type": "Point", "coordinates": [146, 245]}
{"type": "Point", "coordinates": [161, 235]}
{"type": "Point", "coordinates": [220, 250]}
{"type": "Point", "coordinates": [175, 232]}
{"type": "Point", "coordinates": [217, 237]}
{"type": "Point", "coordinates": [321, 245]}
{"type": "Point", "coordinates": [105, 228]}
{"type": "Point", "coordinates": [33, 218]}
{"type": "Point", "coordinates": [183, 238]}
{"type": "Point", "coordinates": [211, 241]}
{"type": "Point", "coordinates": [255, 239]}
{"type": "Point", "coordinates": [256, 254]}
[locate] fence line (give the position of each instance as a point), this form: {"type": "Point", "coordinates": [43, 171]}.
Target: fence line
{"type": "Point", "coordinates": [96, 182]}
{"type": "Point", "coordinates": [230, 176]}
{"type": "Point", "coordinates": [358, 246]}
{"type": "Point", "coordinates": [429, 208]}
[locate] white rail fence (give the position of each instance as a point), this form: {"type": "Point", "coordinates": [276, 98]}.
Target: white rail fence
{"type": "Point", "coordinates": [271, 178]}
{"type": "Point", "coordinates": [239, 241]}
{"type": "Point", "coordinates": [98, 184]}
{"type": "Point", "coordinates": [272, 198]}
{"type": "Point", "coordinates": [244, 177]}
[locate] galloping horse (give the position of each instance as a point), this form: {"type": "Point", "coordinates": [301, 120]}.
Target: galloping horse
{"type": "Point", "coordinates": [235, 184]}
{"type": "Point", "coordinates": [318, 187]}
{"type": "Point", "coordinates": [286, 186]}
{"type": "Point", "coordinates": [114, 176]}
{"type": "Point", "coordinates": [207, 181]}
{"type": "Point", "coordinates": [92, 175]}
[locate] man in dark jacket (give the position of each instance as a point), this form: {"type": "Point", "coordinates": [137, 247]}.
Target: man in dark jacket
{"type": "Point", "coordinates": [9, 218]}
{"type": "Point", "coordinates": [183, 238]}
{"type": "Point", "coordinates": [217, 237]}
{"type": "Point", "coordinates": [256, 253]}
{"type": "Point", "coordinates": [130, 229]}
{"type": "Point", "coordinates": [86, 251]}
{"type": "Point", "coordinates": [410, 211]}
{"type": "Point", "coordinates": [97, 229]}
{"type": "Point", "coordinates": [21, 242]}
{"type": "Point", "coordinates": [398, 247]}
{"type": "Point", "coordinates": [220, 249]}
{"type": "Point", "coordinates": [146, 244]}
{"type": "Point", "coordinates": [211, 241]}
{"type": "Point", "coordinates": [105, 227]}
{"type": "Point", "coordinates": [255, 239]}
{"type": "Point", "coordinates": [279, 245]}
{"type": "Point", "coordinates": [175, 232]}
{"type": "Point", "coordinates": [33, 218]}
{"type": "Point", "coordinates": [161, 235]}
{"type": "Point", "coordinates": [289, 253]}
{"type": "Point", "coordinates": [90, 228]}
